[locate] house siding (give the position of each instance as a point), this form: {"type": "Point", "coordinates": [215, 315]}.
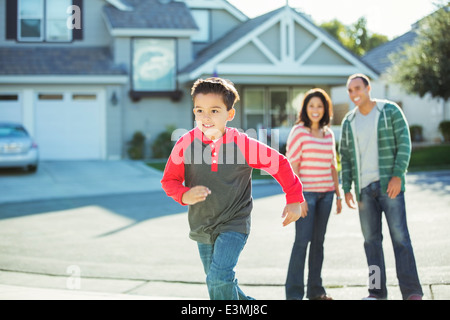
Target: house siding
{"type": "Point", "coordinates": [121, 48]}
{"type": "Point", "coordinates": [250, 52]}
{"type": "Point", "coordinates": [114, 124]}
{"type": "Point", "coordinates": [95, 31]}
{"type": "Point", "coordinates": [223, 23]}
{"type": "Point", "coordinates": [151, 116]}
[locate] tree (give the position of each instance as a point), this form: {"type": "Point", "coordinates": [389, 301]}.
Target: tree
{"type": "Point", "coordinates": [355, 37]}
{"type": "Point", "coordinates": [359, 35]}
{"type": "Point", "coordinates": [424, 66]}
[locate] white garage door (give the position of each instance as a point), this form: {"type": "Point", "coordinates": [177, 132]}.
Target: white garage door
{"type": "Point", "coordinates": [68, 126]}
{"type": "Point", "coordinates": [10, 108]}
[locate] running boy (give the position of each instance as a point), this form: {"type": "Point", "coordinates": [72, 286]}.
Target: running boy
{"type": "Point", "coordinates": [215, 163]}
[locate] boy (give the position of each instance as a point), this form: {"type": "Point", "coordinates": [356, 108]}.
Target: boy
{"type": "Point", "coordinates": [216, 162]}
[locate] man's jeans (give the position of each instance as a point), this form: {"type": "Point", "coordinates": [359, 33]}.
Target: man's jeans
{"type": "Point", "coordinates": [219, 260]}
{"type": "Point", "coordinates": [312, 229]}
{"type": "Point", "coordinates": [372, 203]}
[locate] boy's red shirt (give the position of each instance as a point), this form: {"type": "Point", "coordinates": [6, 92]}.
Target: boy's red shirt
{"type": "Point", "coordinates": [225, 167]}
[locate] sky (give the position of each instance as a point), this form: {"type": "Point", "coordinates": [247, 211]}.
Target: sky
{"type": "Point", "coordinates": [391, 18]}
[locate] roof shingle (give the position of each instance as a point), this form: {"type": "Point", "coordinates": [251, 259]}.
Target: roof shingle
{"type": "Point", "coordinates": [151, 14]}
{"type": "Point", "coordinates": [58, 61]}
{"type": "Point", "coordinates": [378, 58]}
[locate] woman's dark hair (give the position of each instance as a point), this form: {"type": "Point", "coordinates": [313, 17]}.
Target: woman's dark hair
{"type": "Point", "coordinates": [303, 116]}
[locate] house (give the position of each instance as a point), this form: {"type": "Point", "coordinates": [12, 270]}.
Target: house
{"type": "Point", "coordinates": [84, 76]}
{"type": "Point", "coordinates": [426, 112]}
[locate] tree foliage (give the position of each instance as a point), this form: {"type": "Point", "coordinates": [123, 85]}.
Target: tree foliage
{"type": "Point", "coordinates": [424, 67]}
{"type": "Point", "coordinates": [355, 37]}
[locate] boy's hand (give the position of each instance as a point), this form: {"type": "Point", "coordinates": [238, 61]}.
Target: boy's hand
{"type": "Point", "coordinates": [195, 194]}
{"type": "Point", "coordinates": [293, 211]}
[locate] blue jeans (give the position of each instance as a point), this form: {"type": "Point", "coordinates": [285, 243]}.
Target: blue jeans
{"type": "Point", "coordinates": [372, 203]}
{"type": "Point", "coordinates": [219, 260]}
{"type": "Point", "coordinates": [310, 229]}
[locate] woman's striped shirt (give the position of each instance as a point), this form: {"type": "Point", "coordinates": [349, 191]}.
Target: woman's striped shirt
{"type": "Point", "coordinates": [316, 156]}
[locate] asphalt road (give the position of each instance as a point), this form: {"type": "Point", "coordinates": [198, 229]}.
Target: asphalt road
{"type": "Point", "coordinates": [137, 242]}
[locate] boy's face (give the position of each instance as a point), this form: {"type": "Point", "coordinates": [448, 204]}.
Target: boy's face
{"type": "Point", "coordinates": [211, 114]}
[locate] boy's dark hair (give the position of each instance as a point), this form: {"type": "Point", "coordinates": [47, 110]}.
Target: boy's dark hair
{"type": "Point", "coordinates": [361, 76]}
{"type": "Point", "coordinates": [220, 86]}
{"type": "Point", "coordinates": [322, 95]}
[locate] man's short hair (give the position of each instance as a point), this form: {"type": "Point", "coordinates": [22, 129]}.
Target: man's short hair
{"type": "Point", "coordinates": [361, 76]}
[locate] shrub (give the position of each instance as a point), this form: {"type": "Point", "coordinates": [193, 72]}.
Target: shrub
{"type": "Point", "coordinates": [416, 133]}
{"type": "Point", "coordinates": [163, 144]}
{"type": "Point", "coordinates": [136, 149]}
{"type": "Point", "coordinates": [444, 127]}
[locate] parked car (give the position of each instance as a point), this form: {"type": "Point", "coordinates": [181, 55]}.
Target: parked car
{"type": "Point", "coordinates": [17, 148]}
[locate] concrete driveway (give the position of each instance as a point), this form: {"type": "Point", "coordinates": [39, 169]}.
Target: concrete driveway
{"type": "Point", "coordinates": [63, 179]}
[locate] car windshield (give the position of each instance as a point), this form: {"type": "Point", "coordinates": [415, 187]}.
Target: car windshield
{"type": "Point", "coordinates": [13, 131]}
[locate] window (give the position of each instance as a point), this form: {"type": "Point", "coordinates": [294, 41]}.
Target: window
{"type": "Point", "coordinates": [279, 108]}
{"type": "Point", "coordinates": [254, 108]}
{"type": "Point", "coordinates": [31, 18]}
{"type": "Point", "coordinates": [56, 20]}
{"type": "Point", "coordinates": [154, 67]}
{"type": "Point", "coordinates": [43, 20]}
{"type": "Point", "coordinates": [84, 97]}
{"type": "Point", "coordinates": [9, 97]}
{"type": "Point", "coordinates": [272, 107]}
{"type": "Point", "coordinates": [12, 131]}
{"type": "Point", "coordinates": [49, 96]}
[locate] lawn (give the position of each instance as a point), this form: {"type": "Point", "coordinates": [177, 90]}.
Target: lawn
{"type": "Point", "coordinates": [430, 158]}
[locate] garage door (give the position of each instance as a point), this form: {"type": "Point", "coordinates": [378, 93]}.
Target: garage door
{"type": "Point", "coordinates": [68, 126]}
{"type": "Point", "coordinates": [10, 108]}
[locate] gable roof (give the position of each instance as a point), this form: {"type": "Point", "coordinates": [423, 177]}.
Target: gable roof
{"type": "Point", "coordinates": [378, 58]}
{"type": "Point", "coordinates": [150, 14]}
{"type": "Point", "coordinates": [229, 39]}
{"type": "Point", "coordinates": [218, 5]}
{"type": "Point", "coordinates": [321, 56]}
{"type": "Point", "coordinates": [58, 61]}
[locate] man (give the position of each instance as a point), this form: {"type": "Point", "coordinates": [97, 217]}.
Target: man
{"type": "Point", "coordinates": [375, 149]}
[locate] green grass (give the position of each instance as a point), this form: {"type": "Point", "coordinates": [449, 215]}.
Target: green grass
{"type": "Point", "coordinates": [430, 158]}
{"type": "Point", "coordinates": [157, 165]}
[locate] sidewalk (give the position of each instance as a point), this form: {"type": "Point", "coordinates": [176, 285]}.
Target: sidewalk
{"type": "Point", "coordinates": [97, 253]}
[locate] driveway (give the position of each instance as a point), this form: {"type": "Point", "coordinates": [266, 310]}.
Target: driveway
{"type": "Point", "coordinates": [64, 179]}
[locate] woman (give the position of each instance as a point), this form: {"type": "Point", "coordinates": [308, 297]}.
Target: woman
{"type": "Point", "coordinates": [311, 151]}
